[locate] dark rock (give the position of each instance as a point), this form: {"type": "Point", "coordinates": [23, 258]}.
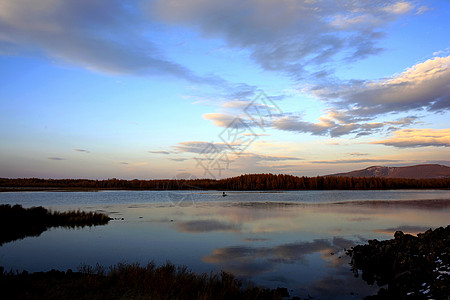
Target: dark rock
{"type": "Point", "coordinates": [282, 292]}
{"type": "Point", "coordinates": [398, 235]}
{"type": "Point", "coordinates": [407, 264]}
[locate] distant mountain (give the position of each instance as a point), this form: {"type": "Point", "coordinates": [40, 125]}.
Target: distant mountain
{"type": "Point", "coordinates": [416, 172]}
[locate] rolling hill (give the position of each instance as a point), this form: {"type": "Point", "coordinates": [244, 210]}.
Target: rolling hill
{"type": "Point", "coordinates": [416, 172]}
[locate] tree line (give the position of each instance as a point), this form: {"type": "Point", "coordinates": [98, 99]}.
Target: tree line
{"type": "Point", "coordinates": [243, 182]}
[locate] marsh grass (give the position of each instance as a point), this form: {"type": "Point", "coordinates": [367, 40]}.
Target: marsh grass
{"type": "Point", "coordinates": [17, 222]}
{"type": "Point", "coordinates": [130, 281]}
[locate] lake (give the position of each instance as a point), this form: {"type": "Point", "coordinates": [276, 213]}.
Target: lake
{"type": "Point", "coordinates": [292, 239]}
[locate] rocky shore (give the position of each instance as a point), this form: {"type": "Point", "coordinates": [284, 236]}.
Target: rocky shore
{"type": "Point", "coordinates": [406, 267]}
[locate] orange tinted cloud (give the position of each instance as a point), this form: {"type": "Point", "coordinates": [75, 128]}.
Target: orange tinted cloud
{"type": "Point", "coordinates": [406, 138]}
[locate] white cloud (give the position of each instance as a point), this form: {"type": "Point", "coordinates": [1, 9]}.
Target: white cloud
{"type": "Point", "coordinates": [240, 105]}
{"type": "Point", "coordinates": [287, 35]}
{"type": "Point", "coordinates": [357, 154]}
{"type": "Point", "coordinates": [56, 158]}
{"type": "Point", "coordinates": [244, 114]}
{"type": "Point", "coordinates": [219, 119]}
{"type": "Point", "coordinates": [178, 159]}
{"type": "Point", "coordinates": [82, 150]}
{"type": "Point", "coordinates": [400, 7]}
{"type": "Point", "coordinates": [424, 85]}
{"type": "Point", "coordinates": [159, 152]}
{"type": "Point", "coordinates": [290, 123]}
{"type": "Point", "coordinates": [338, 124]}
{"type": "Point", "coordinates": [410, 138]}
{"type": "Point", "coordinates": [258, 157]}
{"type": "Point", "coordinates": [422, 10]}
{"type": "Point", "coordinates": [103, 35]}
{"type": "Point", "coordinates": [256, 134]}
{"type": "Point", "coordinates": [446, 51]}
{"type": "Point", "coordinates": [201, 147]}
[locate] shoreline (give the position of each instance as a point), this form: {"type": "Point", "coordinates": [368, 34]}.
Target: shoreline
{"type": "Point", "coordinates": [77, 189]}
{"type": "Point", "coordinates": [404, 267]}
{"type": "Point", "coordinates": [25, 222]}
{"type": "Point", "coordinates": [132, 281]}
{"type": "Point", "coordinates": [353, 212]}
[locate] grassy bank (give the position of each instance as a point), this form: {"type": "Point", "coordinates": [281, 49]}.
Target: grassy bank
{"type": "Point", "coordinates": [17, 222]}
{"type": "Point", "coordinates": [130, 281]}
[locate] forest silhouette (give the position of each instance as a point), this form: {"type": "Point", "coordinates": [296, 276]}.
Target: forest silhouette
{"type": "Point", "coordinates": [243, 182]}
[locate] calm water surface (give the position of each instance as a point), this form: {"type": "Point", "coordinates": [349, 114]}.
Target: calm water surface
{"type": "Point", "coordinates": [280, 239]}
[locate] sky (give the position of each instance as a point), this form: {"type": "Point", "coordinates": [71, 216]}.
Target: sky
{"type": "Point", "coordinates": [154, 89]}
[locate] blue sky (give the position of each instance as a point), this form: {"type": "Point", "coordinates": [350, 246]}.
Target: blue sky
{"type": "Point", "coordinates": [154, 88]}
